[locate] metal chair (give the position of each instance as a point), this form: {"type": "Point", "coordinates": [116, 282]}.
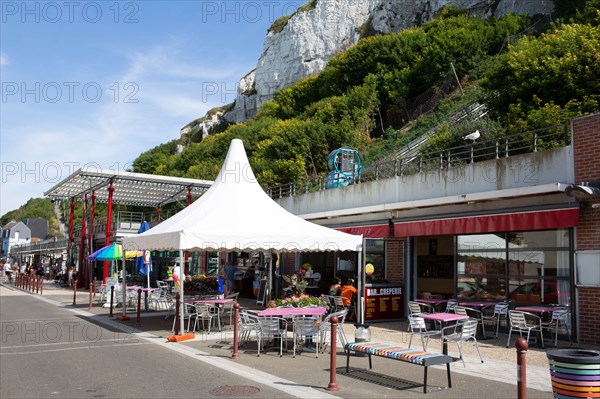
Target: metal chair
{"type": "Point", "coordinates": [325, 328]}
{"type": "Point", "coordinates": [450, 305]}
{"type": "Point", "coordinates": [189, 312]}
{"type": "Point", "coordinates": [417, 326]}
{"type": "Point", "coordinates": [306, 328]}
{"type": "Point", "coordinates": [524, 322]}
{"type": "Point", "coordinates": [205, 312]}
{"type": "Point", "coordinates": [459, 333]}
{"type": "Point", "coordinates": [272, 328]}
{"type": "Point", "coordinates": [500, 310]}
{"type": "Point", "coordinates": [248, 324]}
{"type": "Point", "coordinates": [560, 316]}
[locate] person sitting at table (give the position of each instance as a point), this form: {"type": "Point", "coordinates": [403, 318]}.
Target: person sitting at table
{"type": "Point", "coordinates": [348, 295]}
{"type": "Point", "coordinates": [335, 287]}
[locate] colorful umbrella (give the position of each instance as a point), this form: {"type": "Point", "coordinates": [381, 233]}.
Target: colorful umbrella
{"type": "Point", "coordinates": [110, 252]}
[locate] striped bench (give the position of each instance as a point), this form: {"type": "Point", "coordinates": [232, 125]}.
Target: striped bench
{"type": "Point", "coordinates": [408, 355]}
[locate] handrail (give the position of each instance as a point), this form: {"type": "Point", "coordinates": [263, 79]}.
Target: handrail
{"type": "Point", "coordinates": [516, 144]}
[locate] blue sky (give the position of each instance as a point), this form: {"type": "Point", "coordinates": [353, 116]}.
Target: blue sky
{"type": "Point", "coordinates": [95, 83]}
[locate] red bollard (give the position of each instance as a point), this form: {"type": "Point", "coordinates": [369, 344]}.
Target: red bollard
{"type": "Point", "coordinates": [112, 294]}
{"type": "Point", "coordinates": [74, 292]}
{"type": "Point", "coordinates": [90, 304]}
{"type": "Point", "coordinates": [236, 314]}
{"type": "Point", "coordinates": [333, 386]}
{"type": "Point", "coordinates": [176, 329]}
{"type": "Point", "coordinates": [522, 347]}
{"type": "Point", "coordinates": [138, 321]}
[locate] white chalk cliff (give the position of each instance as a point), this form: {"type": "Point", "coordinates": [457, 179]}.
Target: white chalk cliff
{"type": "Point", "coordinates": [325, 27]}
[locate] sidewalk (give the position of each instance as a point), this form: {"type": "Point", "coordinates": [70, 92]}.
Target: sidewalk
{"type": "Point", "coordinates": [495, 378]}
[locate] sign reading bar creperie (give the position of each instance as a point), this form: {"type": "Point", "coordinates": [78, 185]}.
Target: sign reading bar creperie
{"type": "Point", "coordinates": [383, 303]}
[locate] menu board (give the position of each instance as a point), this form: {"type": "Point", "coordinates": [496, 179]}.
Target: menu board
{"type": "Point", "coordinates": [383, 303]}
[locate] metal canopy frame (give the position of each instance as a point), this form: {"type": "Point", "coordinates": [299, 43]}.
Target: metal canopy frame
{"type": "Point", "coordinates": [129, 188]}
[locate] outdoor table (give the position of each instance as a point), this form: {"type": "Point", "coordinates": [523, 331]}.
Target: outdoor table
{"type": "Point", "coordinates": [213, 301]}
{"type": "Point", "coordinates": [539, 309]}
{"type": "Point", "coordinates": [475, 304]}
{"type": "Point", "coordinates": [317, 311]}
{"type": "Point", "coordinates": [444, 318]}
{"type": "Point", "coordinates": [434, 302]}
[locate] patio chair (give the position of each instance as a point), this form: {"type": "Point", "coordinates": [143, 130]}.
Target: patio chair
{"type": "Point", "coordinates": [416, 308]}
{"type": "Point", "coordinates": [306, 328]}
{"type": "Point", "coordinates": [524, 322]}
{"type": "Point", "coordinates": [474, 314]}
{"type": "Point", "coordinates": [189, 312]}
{"type": "Point", "coordinates": [227, 309]}
{"type": "Point", "coordinates": [450, 305]}
{"type": "Point", "coordinates": [249, 324]}
{"type": "Point", "coordinates": [325, 328]}
{"type": "Point", "coordinates": [204, 313]}
{"type": "Point", "coordinates": [338, 302]}
{"type": "Point", "coordinates": [559, 317]}
{"type": "Point", "coordinates": [272, 328]}
{"type": "Point", "coordinates": [417, 326]}
{"type": "Point", "coordinates": [500, 311]}
{"type": "Point", "coordinates": [459, 333]}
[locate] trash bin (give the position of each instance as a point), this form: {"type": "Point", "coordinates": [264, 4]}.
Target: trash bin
{"type": "Point", "coordinates": [575, 373]}
{"type": "Point", "coordinates": [362, 334]}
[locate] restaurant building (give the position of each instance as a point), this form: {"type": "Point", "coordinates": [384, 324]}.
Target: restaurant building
{"type": "Point", "coordinates": [505, 220]}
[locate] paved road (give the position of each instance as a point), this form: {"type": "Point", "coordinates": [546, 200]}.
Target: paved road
{"type": "Point", "coordinates": [48, 351]}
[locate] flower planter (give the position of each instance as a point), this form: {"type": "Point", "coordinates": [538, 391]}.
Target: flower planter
{"type": "Point", "coordinates": [575, 373]}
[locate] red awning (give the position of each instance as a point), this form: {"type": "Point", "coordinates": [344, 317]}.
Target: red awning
{"type": "Point", "coordinates": [370, 231]}
{"type": "Point", "coordinates": [521, 221]}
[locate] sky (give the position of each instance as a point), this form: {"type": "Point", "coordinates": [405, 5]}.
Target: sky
{"type": "Point", "coordinates": [96, 83]}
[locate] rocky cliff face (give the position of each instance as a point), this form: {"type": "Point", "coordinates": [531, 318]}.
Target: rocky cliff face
{"type": "Point", "coordinates": [312, 36]}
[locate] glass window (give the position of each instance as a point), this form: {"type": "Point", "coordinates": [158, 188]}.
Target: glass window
{"type": "Point", "coordinates": [481, 288]}
{"type": "Point", "coordinates": [375, 255]}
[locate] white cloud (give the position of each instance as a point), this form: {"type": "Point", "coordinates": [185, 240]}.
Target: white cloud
{"type": "Point", "coordinates": [171, 91]}
{"type": "Point", "coordinates": [3, 59]}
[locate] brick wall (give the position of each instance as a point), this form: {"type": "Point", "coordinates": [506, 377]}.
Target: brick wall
{"type": "Point", "coordinates": [395, 261]}
{"type": "Point", "coordinates": [586, 142]}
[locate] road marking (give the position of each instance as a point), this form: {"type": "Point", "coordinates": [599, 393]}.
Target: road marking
{"type": "Point", "coordinates": [67, 349]}
{"type": "Point", "coordinates": [58, 343]}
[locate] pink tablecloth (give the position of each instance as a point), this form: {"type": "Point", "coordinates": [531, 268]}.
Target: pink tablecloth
{"type": "Point", "coordinates": [213, 301]}
{"type": "Point", "coordinates": [443, 317]}
{"type": "Point", "coordinates": [288, 312]}
{"type": "Point", "coordinates": [538, 309]}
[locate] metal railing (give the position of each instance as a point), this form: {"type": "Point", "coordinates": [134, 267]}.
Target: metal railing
{"type": "Point", "coordinates": [523, 143]}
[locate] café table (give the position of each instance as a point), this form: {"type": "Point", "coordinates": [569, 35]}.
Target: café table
{"type": "Point", "coordinates": [539, 309]}
{"type": "Point", "coordinates": [433, 302]}
{"type": "Point", "coordinates": [443, 318]}
{"type": "Point", "coordinates": [477, 304]}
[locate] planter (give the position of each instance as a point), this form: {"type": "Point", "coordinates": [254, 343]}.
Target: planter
{"type": "Point", "coordinates": [575, 373]}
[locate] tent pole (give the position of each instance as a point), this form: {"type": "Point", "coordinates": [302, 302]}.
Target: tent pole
{"type": "Point", "coordinates": [361, 284]}
{"type": "Point", "coordinates": [181, 304]}
{"type": "Point", "coordinates": [124, 286]}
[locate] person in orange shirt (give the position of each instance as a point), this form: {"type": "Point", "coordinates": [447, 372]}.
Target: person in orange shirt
{"type": "Point", "coordinates": [348, 293]}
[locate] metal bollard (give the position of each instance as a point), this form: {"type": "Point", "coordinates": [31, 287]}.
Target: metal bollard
{"type": "Point", "coordinates": [74, 292]}
{"type": "Point", "coordinates": [522, 347]}
{"type": "Point", "coordinates": [138, 321]}
{"type": "Point", "coordinates": [176, 329]}
{"type": "Point", "coordinates": [37, 284]}
{"type": "Point", "coordinates": [236, 314]}
{"type": "Point", "coordinates": [112, 295]}
{"type": "Point", "coordinates": [333, 386]}
{"type": "Point", "coordinates": [42, 288]}
{"type": "Point", "coordinates": [90, 304]}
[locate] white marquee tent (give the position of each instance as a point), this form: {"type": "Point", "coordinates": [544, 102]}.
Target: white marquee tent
{"type": "Point", "coordinates": [235, 214]}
